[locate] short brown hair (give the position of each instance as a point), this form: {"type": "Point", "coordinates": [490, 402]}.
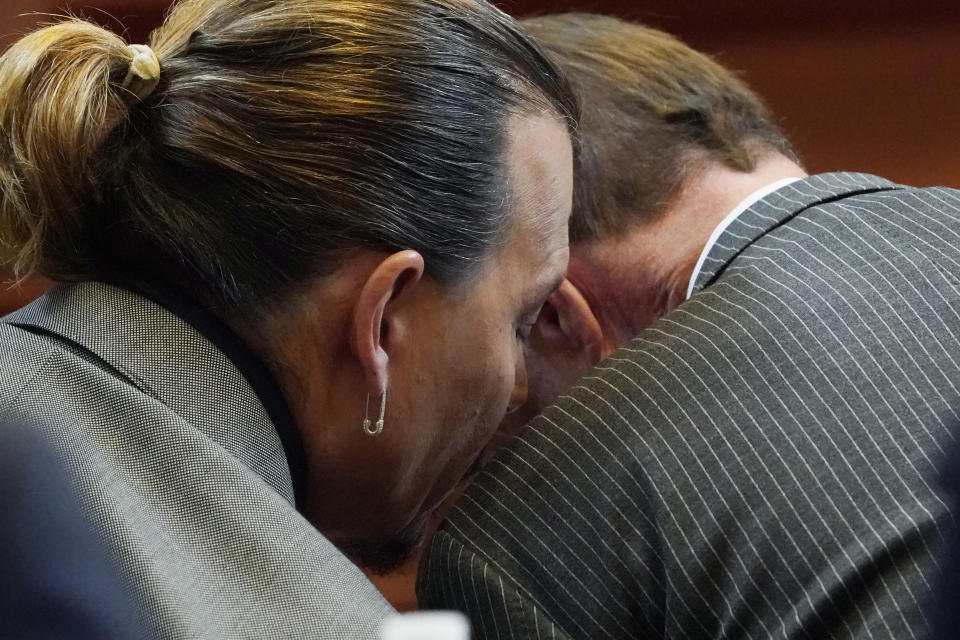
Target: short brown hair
{"type": "Point", "coordinates": [650, 107]}
{"type": "Point", "coordinates": [281, 135]}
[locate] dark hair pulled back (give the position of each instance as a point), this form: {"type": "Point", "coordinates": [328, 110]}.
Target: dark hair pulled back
{"type": "Point", "coordinates": [282, 135]}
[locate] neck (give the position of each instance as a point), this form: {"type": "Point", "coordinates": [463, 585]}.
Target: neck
{"type": "Point", "coordinates": [637, 277]}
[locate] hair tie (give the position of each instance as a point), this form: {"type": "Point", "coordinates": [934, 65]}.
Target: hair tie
{"type": "Point", "coordinates": [144, 71]}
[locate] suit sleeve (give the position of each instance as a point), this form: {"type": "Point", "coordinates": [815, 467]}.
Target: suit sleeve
{"type": "Point", "coordinates": [558, 534]}
{"type": "Point", "coordinates": [455, 577]}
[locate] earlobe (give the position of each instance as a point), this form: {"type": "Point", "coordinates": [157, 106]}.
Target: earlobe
{"type": "Point", "coordinates": [391, 279]}
{"type": "Point", "coordinates": [569, 319]}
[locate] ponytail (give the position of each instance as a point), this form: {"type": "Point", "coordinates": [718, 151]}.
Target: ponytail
{"type": "Point", "coordinates": [62, 90]}
{"type": "Point", "coordinates": [282, 136]}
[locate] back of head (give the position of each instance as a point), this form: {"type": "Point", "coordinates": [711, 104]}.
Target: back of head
{"type": "Point", "coordinates": [269, 139]}
{"type": "Point", "coordinates": [652, 108]}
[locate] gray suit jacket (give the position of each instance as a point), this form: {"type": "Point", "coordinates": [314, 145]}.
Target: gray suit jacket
{"type": "Point", "coordinates": [759, 463]}
{"type": "Point", "coordinates": [180, 469]}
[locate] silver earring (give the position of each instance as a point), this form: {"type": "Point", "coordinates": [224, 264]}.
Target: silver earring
{"type": "Point", "coordinates": [374, 428]}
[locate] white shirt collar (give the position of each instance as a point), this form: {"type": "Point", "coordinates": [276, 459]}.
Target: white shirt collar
{"type": "Point", "coordinates": [745, 204]}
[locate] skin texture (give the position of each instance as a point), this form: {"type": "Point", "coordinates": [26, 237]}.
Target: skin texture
{"type": "Point", "coordinates": [619, 286]}
{"type": "Point", "coordinates": [451, 360]}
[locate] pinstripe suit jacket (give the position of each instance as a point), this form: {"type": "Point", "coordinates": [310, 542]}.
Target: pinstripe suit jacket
{"type": "Point", "coordinates": [759, 463]}
{"type": "Point", "coordinates": [180, 468]}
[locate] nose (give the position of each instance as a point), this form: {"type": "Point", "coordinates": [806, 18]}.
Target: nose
{"type": "Point", "coordinates": [520, 388]}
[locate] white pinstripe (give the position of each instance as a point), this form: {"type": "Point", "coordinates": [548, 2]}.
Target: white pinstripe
{"type": "Point", "coordinates": [601, 539]}
{"type": "Point", "coordinates": [629, 380]}
{"type": "Point", "coordinates": [593, 596]}
{"type": "Point", "coordinates": [860, 342]}
{"type": "Point", "coordinates": [456, 528]}
{"type": "Point", "coordinates": [759, 458]}
{"type": "Point", "coordinates": [506, 611]}
{"type": "Point", "coordinates": [836, 419]}
{"type": "Point", "coordinates": [880, 256]}
{"type": "Point", "coordinates": [856, 290]}
{"type": "Point", "coordinates": [822, 427]}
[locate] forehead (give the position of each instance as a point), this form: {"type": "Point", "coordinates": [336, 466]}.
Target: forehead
{"type": "Point", "coordinates": [540, 183]}
{"type": "Point", "coordinates": [540, 177]}
{"type": "Point", "coordinates": [539, 165]}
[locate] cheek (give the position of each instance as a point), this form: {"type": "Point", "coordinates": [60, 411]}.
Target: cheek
{"type": "Point", "coordinates": [477, 391]}
{"type": "Point", "coordinates": [497, 368]}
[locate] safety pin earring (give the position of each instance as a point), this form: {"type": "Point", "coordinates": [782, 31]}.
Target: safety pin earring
{"type": "Point", "coordinates": [371, 428]}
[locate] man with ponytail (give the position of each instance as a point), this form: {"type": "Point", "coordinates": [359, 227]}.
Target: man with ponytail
{"type": "Point", "coordinates": [757, 454]}
{"type": "Point", "coordinates": [286, 235]}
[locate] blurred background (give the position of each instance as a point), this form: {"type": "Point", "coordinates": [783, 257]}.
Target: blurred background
{"type": "Point", "coordinates": [864, 85]}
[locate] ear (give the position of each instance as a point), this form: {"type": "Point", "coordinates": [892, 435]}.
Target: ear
{"type": "Point", "coordinates": [567, 323]}
{"type": "Point", "coordinates": [391, 280]}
